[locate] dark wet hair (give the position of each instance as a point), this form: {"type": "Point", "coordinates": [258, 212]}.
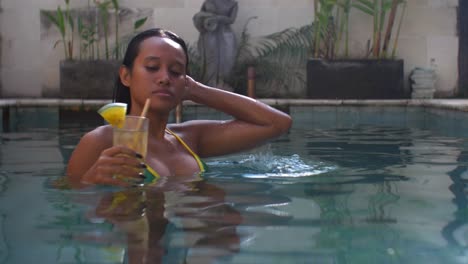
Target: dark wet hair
{"type": "Point", "coordinates": [122, 92]}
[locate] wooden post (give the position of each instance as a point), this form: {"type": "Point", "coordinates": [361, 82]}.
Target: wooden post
{"type": "Point", "coordinates": [178, 113]}
{"type": "Point", "coordinates": [6, 119]}
{"type": "Point", "coordinates": [251, 82]}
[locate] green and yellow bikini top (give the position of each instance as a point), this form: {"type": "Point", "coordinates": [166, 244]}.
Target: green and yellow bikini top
{"type": "Point", "coordinates": [151, 176]}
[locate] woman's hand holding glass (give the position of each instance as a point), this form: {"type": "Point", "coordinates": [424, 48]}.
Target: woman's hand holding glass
{"type": "Point", "coordinates": [116, 160]}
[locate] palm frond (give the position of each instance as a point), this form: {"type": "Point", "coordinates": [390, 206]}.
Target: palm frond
{"type": "Point", "coordinates": [288, 46]}
{"type": "Point", "coordinates": [279, 60]}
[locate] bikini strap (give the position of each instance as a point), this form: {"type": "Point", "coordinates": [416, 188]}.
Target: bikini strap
{"type": "Point", "coordinates": [195, 156]}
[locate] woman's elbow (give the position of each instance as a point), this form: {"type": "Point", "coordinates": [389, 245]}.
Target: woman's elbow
{"type": "Point", "coordinates": [283, 124]}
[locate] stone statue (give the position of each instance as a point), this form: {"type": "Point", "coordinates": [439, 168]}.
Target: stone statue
{"type": "Point", "coordinates": [217, 42]}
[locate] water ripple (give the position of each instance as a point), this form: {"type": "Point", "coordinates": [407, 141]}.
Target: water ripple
{"type": "Point", "coordinates": [267, 165]}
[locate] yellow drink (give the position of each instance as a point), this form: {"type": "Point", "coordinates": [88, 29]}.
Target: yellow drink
{"type": "Point", "coordinates": [136, 140]}
{"type": "Point", "coordinates": [132, 134]}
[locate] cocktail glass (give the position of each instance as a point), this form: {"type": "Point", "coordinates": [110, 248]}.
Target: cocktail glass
{"type": "Point", "coordinates": [132, 134]}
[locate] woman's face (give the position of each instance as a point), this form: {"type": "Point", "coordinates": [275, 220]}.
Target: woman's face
{"type": "Point", "coordinates": [158, 73]}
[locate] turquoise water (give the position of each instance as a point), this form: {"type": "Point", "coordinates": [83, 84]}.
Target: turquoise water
{"type": "Point", "coordinates": [346, 185]}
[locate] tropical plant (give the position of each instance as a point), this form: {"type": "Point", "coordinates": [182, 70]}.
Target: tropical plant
{"type": "Point", "coordinates": [121, 46]}
{"type": "Point", "coordinates": [278, 59]}
{"type": "Point", "coordinates": [324, 35]}
{"type": "Point", "coordinates": [88, 39]}
{"type": "Point", "coordinates": [379, 9]}
{"type": "Point", "coordinates": [88, 30]}
{"type": "Point", "coordinates": [104, 15]}
{"type": "Point", "coordinates": [115, 5]}
{"type": "Point", "coordinates": [343, 21]}
{"type": "Point", "coordinates": [65, 25]}
{"type": "Point", "coordinates": [332, 21]}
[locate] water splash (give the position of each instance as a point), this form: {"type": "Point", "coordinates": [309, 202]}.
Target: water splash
{"type": "Point", "coordinates": [269, 166]}
{"type": "Point", "coordinates": [263, 163]}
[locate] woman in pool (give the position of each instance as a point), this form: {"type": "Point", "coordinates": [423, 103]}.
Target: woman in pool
{"type": "Point", "coordinates": [155, 67]}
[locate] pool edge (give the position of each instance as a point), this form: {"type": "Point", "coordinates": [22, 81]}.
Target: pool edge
{"type": "Point", "coordinates": [452, 104]}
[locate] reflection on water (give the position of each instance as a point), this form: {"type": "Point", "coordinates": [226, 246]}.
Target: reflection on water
{"type": "Point", "coordinates": [345, 194]}
{"type": "Point", "coordinates": [198, 223]}
{"type": "Point", "coordinates": [159, 224]}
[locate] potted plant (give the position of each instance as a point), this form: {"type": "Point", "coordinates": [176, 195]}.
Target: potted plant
{"type": "Point", "coordinates": [333, 74]}
{"type": "Point", "coordinates": [89, 67]}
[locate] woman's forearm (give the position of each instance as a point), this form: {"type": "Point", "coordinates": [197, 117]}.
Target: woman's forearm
{"type": "Point", "coordinates": [240, 107]}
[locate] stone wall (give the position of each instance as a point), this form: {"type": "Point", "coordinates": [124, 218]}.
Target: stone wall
{"type": "Point", "coordinates": [1, 38]}
{"type": "Point", "coordinates": [428, 32]}
{"type": "Point", "coordinates": [31, 64]}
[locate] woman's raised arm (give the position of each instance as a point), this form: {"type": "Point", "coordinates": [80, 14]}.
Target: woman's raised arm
{"type": "Point", "coordinates": [253, 122]}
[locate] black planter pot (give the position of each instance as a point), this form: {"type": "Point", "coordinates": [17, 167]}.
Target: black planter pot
{"type": "Point", "coordinates": [355, 79]}
{"type": "Point", "coordinates": [88, 79]}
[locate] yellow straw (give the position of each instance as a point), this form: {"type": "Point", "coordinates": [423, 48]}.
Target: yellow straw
{"type": "Point", "coordinates": [140, 121]}
{"type": "Point", "coordinates": [145, 108]}
{"type": "Point", "coordinates": [143, 113]}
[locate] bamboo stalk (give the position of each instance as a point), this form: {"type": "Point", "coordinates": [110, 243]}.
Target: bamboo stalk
{"type": "Point", "coordinates": [348, 7]}
{"type": "Point", "coordinates": [381, 26]}
{"type": "Point", "coordinates": [395, 44]}
{"type": "Point", "coordinates": [391, 21]}
{"type": "Point", "coordinates": [317, 29]}
{"type": "Point", "coordinates": [340, 22]}
{"type": "Point", "coordinates": [376, 28]}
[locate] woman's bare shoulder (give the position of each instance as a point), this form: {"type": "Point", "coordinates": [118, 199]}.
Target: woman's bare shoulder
{"type": "Point", "coordinates": [192, 131]}
{"type": "Point", "coordinates": [100, 136]}
{"type": "Point", "coordinates": [88, 150]}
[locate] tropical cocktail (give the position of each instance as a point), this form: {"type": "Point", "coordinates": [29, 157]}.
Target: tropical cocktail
{"type": "Point", "coordinates": [128, 131]}
{"type": "Point", "coordinates": [133, 133]}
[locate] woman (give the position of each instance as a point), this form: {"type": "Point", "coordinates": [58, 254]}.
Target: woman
{"type": "Point", "coordinates": [155, 67]}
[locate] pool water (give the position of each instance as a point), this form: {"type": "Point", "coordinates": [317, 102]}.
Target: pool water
{"type": "Point", "coordinates": [345, 185]}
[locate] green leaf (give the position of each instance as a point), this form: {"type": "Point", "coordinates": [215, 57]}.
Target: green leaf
{"type": "Point", "coordinates": [387, 5]}
{"type": "Point", "coordinates": [60, 21]}
{"type": "Point", "coordinates": [56, 43]}
{"type": "Point", "coordinates": [52, 18]}
{"type": "Point", "coordinates": [365, 3]}
{"type": "Point", "coordinates": [71, 22]}
{"type": "Point", "coordinates": [115, 3]}
{"type": "Point", "coordinates": [139, 23]}
{"type": "Point", "coordinates": [81, 27]}
{"type": "Point", "coordinates": [369, 11]}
